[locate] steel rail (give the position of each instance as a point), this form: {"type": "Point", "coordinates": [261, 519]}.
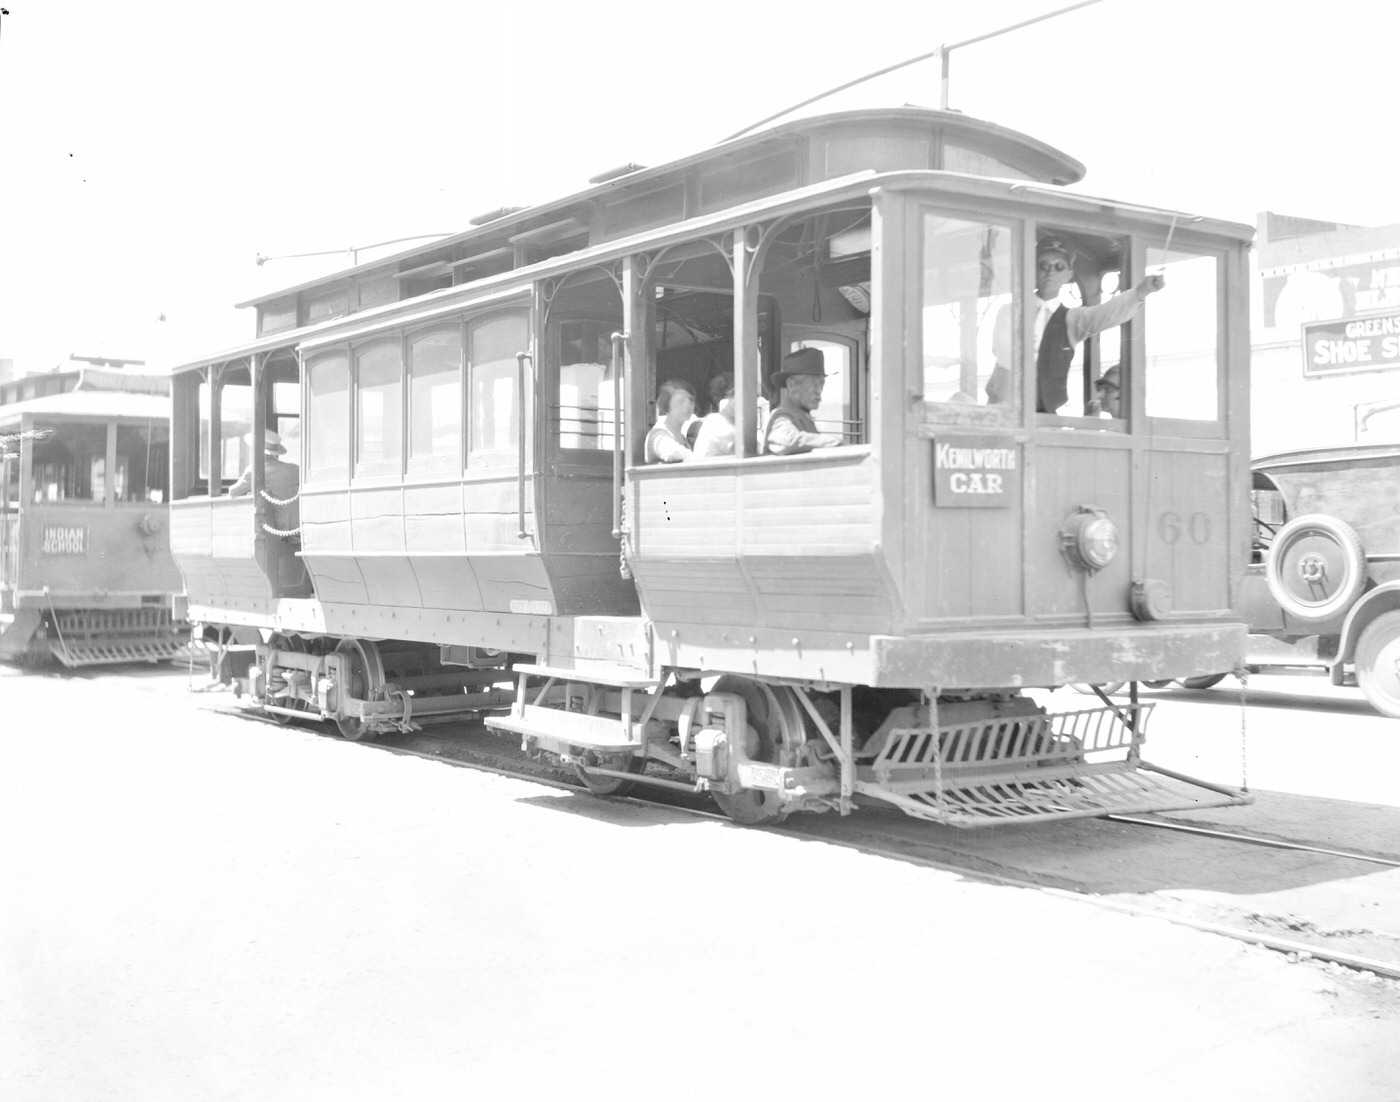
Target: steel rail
{"type": "Point", "coordinates": [1294, 950]}
{"type": "Point", "coordinates": [1252, 839]}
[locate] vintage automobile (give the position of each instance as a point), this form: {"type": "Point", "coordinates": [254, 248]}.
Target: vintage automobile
{"type": "Point", "coordinates": [1323, 586]}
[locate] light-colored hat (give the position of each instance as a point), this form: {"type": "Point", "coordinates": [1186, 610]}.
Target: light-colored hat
{"type": "Point", "coordinates": [272, 443]}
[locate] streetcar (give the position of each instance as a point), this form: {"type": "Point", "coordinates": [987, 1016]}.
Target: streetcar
{"type": "Point", "coordinates": [86, 574]}
{"type": "Point", "coordinates": [865, 623]}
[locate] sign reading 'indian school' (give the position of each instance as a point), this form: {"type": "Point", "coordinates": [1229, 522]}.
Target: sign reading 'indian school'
{"type": "Point", "coordinates": [977, 472]}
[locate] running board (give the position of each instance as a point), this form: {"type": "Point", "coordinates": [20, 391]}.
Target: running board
{"type": "Point", "coordinates": [1031, 769]}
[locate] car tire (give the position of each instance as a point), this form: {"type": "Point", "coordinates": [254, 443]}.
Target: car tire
{"type": "Point", "coordinates": [1316, 567]}
{"type": "Point", "coordinates": [1205, 681]}
{"type": "Point", "coordinates": [1378, 663]}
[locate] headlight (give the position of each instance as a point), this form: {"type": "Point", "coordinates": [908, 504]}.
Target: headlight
{"type": "Point", "coordinates": [1089, 539]}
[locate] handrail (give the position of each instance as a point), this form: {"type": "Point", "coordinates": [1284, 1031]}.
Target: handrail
{"type": "Point", "coordinates": [520, 358]}
{"type": "Point", "coordinates": [618, 340]}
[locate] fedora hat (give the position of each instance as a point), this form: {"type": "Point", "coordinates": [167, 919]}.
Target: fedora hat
{"type": "Point", "coordinates": [805, 361]}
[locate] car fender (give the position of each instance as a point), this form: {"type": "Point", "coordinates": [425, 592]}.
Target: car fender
{"type": "Point", "coordinates": [1371, 604]}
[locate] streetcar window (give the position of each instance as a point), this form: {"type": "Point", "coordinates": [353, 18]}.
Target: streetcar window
{"type": "Point", "coordinates": [493, 395]}
{"type": "Point", "coordinates": [10, 450]}
{"type": "Point", "coordinates": [378, 408]}
{"type": "Point", "coordinates": [235, 424]}
{"type": "Point", "coordinates": [70, 463]}
{"type": "Point", "coordinates": [1183, 338]}
{"type": "Point", "coordinates": [585, 409]}
{"type": "Point", "coordinates": [285, 417]}
{"type": "Point", "coordinates": [967, 313]}
{"type": "Point", "coordinates": [143, 459]}
{"type": "Point", "coordinates": [435, 400]}
{"type": "Point", "coordinates": [587, 311]}
{"type": "Point", "coordinates": [839, 412]}
{"type": "Point", "coordinates": [327, 416]}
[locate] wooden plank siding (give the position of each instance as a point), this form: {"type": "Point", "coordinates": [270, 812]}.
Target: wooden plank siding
{"type": "Point", "coordinates": [790, 543]}
{"type": "Point", "coordinates": [212, 543]}
{"type": "Point", "coordinates": [1188, 537]}
{"type": "Point", "coordinates": [454, 544]}
{"type": "Point", "coordinates": [1062, 478]}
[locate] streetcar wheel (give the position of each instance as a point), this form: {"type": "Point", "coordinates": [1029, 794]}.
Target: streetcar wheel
{"type": "Point", "coordinates": [1205, 681]}
{"type": "Point", "coordinates": [612, 786]}
{"type": "Point", "coordinates": [1378, 663]}
{"type": "Point", "coordinates": [366, 682]}
{"type": "Point", "coordinates": [1316, 567]}
{"type": "Point", "coordinates": [775, 725]}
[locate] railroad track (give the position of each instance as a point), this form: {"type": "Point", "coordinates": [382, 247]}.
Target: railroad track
{"type": "Point", "coordinates": [963, 860]}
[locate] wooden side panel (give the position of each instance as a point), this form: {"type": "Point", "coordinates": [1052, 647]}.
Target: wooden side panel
{"type": "Point", "coordinates": [377, 520]}
{"type": "Point", "coordinates": [1062, 480]}
{"type": "Point", "coordinates": [697, 592]}
{"type": "Point", "coordinates": [213, 546]}
{"type": "Point", "coordinates": [491, 514]}
{"type": "Point", "coordinates": [513, 578]}
{"type": "Point", "coordinates": [578, 516]}
{"type": "Point", "coordinates": [390, 580]}
{"type": "Point", "coordinates": [433, 519]}
{"type": "Point", "coordinates": [231, 528]}
{"type": "Point", "coordinates": [791, 544]}
{"type": "Point", "coordinates": [1187, 536]}
{"type": "Point", "coordinates": [968, 564]}
{"type": "Point", "coordinates": [448, 582]}
{"type": "Point", "coordinates": [325, 521]}
{"type": "Point", "coordinates": [685, 514]}
{"type": "Point", "coordinates": [338, 580]}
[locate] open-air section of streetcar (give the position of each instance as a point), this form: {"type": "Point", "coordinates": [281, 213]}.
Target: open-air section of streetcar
{"type": "Point", "coordinates": [983, 435]}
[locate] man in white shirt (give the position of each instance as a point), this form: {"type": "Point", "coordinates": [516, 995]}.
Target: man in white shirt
{"type": "Point", "coordinates": [1059, 329]}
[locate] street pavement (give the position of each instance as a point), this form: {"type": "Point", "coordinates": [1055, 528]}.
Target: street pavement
{"type": "Point", "coordinates": [196, 906]}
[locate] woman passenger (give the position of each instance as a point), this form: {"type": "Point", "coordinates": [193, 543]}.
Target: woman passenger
{"type": "Point", "coordinates": [666, 443]}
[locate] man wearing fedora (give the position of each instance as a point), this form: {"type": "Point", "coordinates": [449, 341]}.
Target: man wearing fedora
{"type": "Point", "coordinates": [1059, 329]}
{"type": "Point", "coordinates": [280, 482]}
{"type": "Point", "coordinates": [790, 429]}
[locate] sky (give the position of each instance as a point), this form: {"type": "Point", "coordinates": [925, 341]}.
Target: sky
{"type": "Point", "coordinates": [152, 150]}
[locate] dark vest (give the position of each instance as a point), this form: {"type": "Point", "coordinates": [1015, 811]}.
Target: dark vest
{"type": "Point", "coordinates": [1052, 364]}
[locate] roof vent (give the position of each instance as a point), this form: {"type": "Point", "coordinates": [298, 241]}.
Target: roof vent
{"type": "Point", "coordinates": [614, 173]}
{"type": "Point", "coordinates": [493, 215]}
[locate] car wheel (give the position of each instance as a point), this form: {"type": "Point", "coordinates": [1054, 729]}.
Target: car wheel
{"type": "Point", "coordinates": [1378, 663]}
{"type": "Point", "coordinates": [1205, 681]}
{"type": "Point", "coordinates": [1316, 567]}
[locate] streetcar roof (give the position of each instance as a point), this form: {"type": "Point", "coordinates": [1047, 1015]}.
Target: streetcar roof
{"type": "Point", "coordinates": [104, 406]}
{"type": "Point", "coordinates": [1039, 161]}
{"type": "Point", "coordinates": [513, 282]}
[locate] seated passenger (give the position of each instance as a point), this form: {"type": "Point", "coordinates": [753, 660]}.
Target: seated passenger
{"type": "Point", "coordinates": [716, 436]}
{"type": "Point", "coordinates": [790, 429]}
{"type": "Point", "coordinates": [281, 481]}
{"type": "Point", "coordinates": [666, 443]}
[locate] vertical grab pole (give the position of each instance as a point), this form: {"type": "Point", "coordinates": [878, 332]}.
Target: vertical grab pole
{"type": "Point", "coordinates": [618, 341]}
{"type": "Point", "coordinates": [520, 358]}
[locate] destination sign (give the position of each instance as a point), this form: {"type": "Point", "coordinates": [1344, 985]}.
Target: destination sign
{"type": "Point", "coordinates": [976, 472]}
{"type": "Point", "coordinates": [1351, 344]}
{"type": "Point", "coordinates": [64, 539]}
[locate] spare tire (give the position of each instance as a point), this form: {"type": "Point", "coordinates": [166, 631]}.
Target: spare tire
{"type": "Point", "coordinates": [1316, 567]}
